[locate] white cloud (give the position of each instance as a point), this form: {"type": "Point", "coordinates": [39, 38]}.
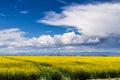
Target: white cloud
{"type": "Point", "coordinates": [96, 40]}
{"type": "Point", "coordinates": [14, 41]}
{"type": "Point", "coordinates": [92, 19]}
{"type": "Point", "coordinates": [42, 41]}
{"type": "Point", "coordinates": [24, 12]}
{"type": "Point", "coordinates": [14, 38]}
{"type": "Point", "coordinates": [66, 39]}
{"type": "Point", "coordinates": [97, 24]}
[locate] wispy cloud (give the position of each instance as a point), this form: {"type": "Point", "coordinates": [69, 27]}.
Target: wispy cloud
{"type": "Point", "coordinates": [1, 14]}
{"type": "Point", "coordinates": [62, 1]}
{"type": "Point", "coordinates": [24, 12]}
{"type": "Point", "coordinates": [49, 31]}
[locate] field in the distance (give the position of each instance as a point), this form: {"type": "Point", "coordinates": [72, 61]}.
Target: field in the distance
{"type": "Point", "coordinates": [58, 67]}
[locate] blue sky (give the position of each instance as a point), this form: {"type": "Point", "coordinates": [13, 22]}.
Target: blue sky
{"type": "Point", "coordinates": [46, 26]}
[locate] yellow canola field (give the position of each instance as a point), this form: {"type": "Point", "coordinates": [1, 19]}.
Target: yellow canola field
{"type": "Point", "coordinates": [58, 67]}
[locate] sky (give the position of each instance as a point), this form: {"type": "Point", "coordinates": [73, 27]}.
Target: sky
{"type": "Point", "coordinates": [59, 26]}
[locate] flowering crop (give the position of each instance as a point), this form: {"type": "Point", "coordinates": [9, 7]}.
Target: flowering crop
{"type": "Point", "coordinates": [58, 67]}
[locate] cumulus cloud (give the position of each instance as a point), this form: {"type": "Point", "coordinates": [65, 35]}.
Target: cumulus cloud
{"type": "Point", "coordinates": [66, 39]}
{"type": "Point", "coordinates": [14, 41]}
{"type": "Point", "coordinates": [97, 26]}
{"type": "Point", "coordinates": [91, 19]}
{"type": "Point", "coordinates": [12, 38]}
